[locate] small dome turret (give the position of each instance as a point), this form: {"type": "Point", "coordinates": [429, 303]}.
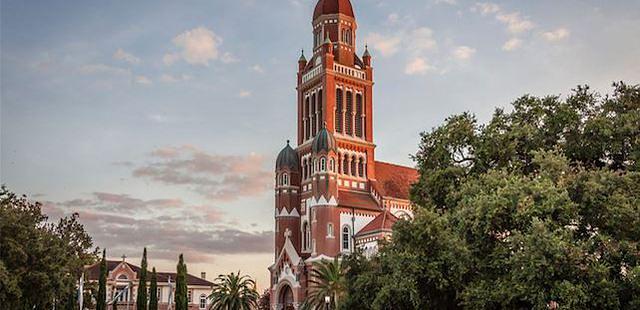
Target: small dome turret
{"type": "Point", "coordinates": [287, 159]}
{"type": "Point", "coordinates": [324, 141]}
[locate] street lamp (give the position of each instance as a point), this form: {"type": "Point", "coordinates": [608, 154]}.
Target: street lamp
{"type": "Point", "coordinates": [327, 300]}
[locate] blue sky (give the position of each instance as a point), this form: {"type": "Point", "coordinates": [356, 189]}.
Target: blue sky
{"type": "Point", "coordinates": [159, 121]}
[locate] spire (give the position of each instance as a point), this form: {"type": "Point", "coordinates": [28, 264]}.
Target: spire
{"type": "Point", "coordinates": [302, 58]}
{"type": "Point", "coordinates": [366, 51]}
{"type": "Point", "coordinates": [327, 40]}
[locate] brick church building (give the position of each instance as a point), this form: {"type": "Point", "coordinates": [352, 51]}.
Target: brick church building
{"type": "Point", "coordinates": [331, 195]}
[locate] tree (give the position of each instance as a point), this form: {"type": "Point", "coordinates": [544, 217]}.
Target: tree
{"type": "Point", "coordinates": [538, 207]}
{"type": "Point", "coordinates": [153, 291]}
{"type": "Point", "coordinates": [327, 279]}
{"type": "Point", "coordinates": [40, 260]}
{"type": "Point", "coordinates": [235, 292]}
{"type": "Point", "coordinates": [264, 303]}
{"type": "Point", "coordinates": [141, 299]}
{"type": "Point", "coordinates": [182, 303]}
{"type": "Point", "coordinates": [101, 299]}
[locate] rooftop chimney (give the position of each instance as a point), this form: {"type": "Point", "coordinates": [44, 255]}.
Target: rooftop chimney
{"type": "Point", "coordinates": [203, 275]}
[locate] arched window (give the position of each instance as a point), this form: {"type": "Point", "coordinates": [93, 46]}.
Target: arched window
{"type": "Point", "coordinates": [354, 172]}
{"type": "Point", "coordinates": [306, 236]}
{"type": "Point", "coordinates": [123, 277]}
{"type": "Point", "coordinates": [345, 165]}
{"type": "Point", "coordinates": [313, 215]}
{"type": "Point", "coordinates": [203, 301]}
{"type": "Point", "coordinates": [314, 127]}
{"type": "Point", "coordinates": [348, 123]}
{"type": "Point", "coordinates": [332, 165]}
{"type": "Point", "coordinates": [359, 113]}
{"type": "Point", "coordinates": [346, 238]}
{"type": "Point", "coordinates": [339, 112]}
{"type": "Point", "coordinates": [285, 179]}
{"type": "Point", "coordinates": [323, 164]}
{"type": "Point", "coordinates": [307, 115]}
{"type": "Point", "coordinates": [330, 230]}
{"type": "Point", "coordinates": [319, 104]}
{"type": "Point", "coordinates": [361, 168]}
{"type": "Point", "coordinates": [304, 171]}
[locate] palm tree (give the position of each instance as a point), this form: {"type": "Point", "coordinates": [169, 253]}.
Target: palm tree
{"type": "Point", "coordinates": [327, 279]}
{"type": "Point", "coordinates": [234, 292]}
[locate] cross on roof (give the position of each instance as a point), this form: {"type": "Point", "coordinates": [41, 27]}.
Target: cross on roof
{"type": "Point", "coordinates": [123, 257]}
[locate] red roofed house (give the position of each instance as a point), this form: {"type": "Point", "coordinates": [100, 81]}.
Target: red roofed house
{"type": "Point", "coordinates": [331, 194]}
{"type": "Point", "coordinates": [122, 284]}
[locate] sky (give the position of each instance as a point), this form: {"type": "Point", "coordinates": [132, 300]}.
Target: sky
{"type": "Point", "coordinates": [159, 121]}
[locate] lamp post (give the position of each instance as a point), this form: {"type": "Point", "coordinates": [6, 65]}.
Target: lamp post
{"type": "Point", "coordinates": [327, 300]}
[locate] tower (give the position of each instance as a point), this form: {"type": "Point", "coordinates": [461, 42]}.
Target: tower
{"type": "Point", "coordinates": [331, 194]}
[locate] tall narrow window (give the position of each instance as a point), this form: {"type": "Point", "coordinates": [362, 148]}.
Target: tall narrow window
{"type": "Point", "coordinates": [353, 167]}
{"type": "Point", "coordinates": [305, 236]}
{"type": "Point", "coordinates": [320, 110]}
{"type": "Point", "coordinates": [323, 164]}
{"type": "Point", "coordinates": [361, 168]}
{"type": "Point", "coordinates": [359, 115]}
{"type": "Point", "coordinates": [332, 165]}
{"type": "Point", "coordinates": [313, 116]}
{"type": "Point", "coordinates": [349, 114]}
{"type": "Point", "coordinates": [346, 236]}
{"type": "Point", "coordinates": [339, 112]}
{"type": "Point", "coordinates": [307, 114]}
{"type": "Point", "coordinates": [345, 165]}
{"type": "Point", "coordinates": [330, 230]}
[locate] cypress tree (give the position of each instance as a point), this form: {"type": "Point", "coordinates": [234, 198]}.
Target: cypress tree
{"type": "Point", "coordinates": [141, 299]}
{"type": "Point", "coordinates": [153, 291]}
{"type": "Point", "coordinates": [181, 285]}
{"type": "Point", "coordinates": [101, 303]}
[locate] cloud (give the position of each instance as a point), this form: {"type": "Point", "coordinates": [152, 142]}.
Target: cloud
{"type": "Point", "coordinates": [120, 54]}
{"type": "Point", "coordinates": [413, 41]}
{"type": "Point", "coordinates": [168, 78]}
{"type": "Point", "coordinates": [216, 177]}
{"type": "Point", "coordinates": [102, 69]}
{"type": "Point", "coordinates": [167, 227]}
{"type": "Point", "coordinates": [450, 2]}
{"type": "Point", "coordinates": [463, 52]}
{"type": "Point", "coordinates": [416, 66]}
{"type": "Point", "coordinates": [515, 22]}
{"type": "Point", "coordinates": [141, 79]}
{"type": "Point", "coordinates": [257, 68]}
{"type": "Point", "coordinates": [556, 35]}
{"type": "Point", "coordinates": [244, 94]}
{"type": "Point", "coordinates": [386, 45]}
{"type": "Point", "coordinates": [512, 44]}
{"type": "Point", "coordinates": [198, 46]}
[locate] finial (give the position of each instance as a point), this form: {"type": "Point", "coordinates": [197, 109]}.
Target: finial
{"type": "Point", "coordinates": [366, 51]}
{"type": "Point", "coordinates": [324, 125]}
{"type": "Point", "coordinates": [302, 58]}
{"type": "Point", "coordinates": [124, 257]}
{"type": "Point", "coordinates": [288, 142]}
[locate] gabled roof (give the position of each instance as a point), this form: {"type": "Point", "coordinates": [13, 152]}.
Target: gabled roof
{"type": "Point", "coordinates": [383, 222]}
{"type": "Point", "coordinates": [93, 273]}
{"type": "Point", "coordinates": [394, 180]}
{"type": "Point", "coordinates": [357, 200]}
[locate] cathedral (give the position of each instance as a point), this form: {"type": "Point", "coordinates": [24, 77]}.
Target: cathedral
{"type": "Point", "coordinates": [331, 195]}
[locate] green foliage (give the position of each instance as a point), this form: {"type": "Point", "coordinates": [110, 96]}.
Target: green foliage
{"type": "Point", "coordinates": [264, 303]}
{"type": "Point", "coordinates": [101, 299]}
{"type": "Point", "coordinates": [327, 278]}
{"type": "Point", "coordinates": [234, 292]}
{"type": "Point", "coordinates": [541, 205]}
{"type": "Point", "coordinates": [181, 297]}
{"type": "Point", "coordinates": [153, 291]}
{"type": "Point", "coordinates": [141, 299]}
{"type": "Point", "coordinates": [40, 261]}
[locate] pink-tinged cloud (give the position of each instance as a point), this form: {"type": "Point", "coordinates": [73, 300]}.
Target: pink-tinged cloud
{"type": "Point", "coordinates": [216, 177]}
{"type": "Point", "coordinates": [167, 227]}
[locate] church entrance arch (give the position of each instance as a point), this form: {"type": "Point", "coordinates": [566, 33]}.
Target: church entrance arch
{"type": "Point", "coordinates": [286, 298]}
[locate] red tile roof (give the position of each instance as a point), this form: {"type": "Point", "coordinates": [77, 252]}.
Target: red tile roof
{"type": "Point", "coordinates": [382, 222]}
{"type": "Point", "coordinates": [394, 180]}
{"type": "Point", "coordinates": [93, 273]}
{"type": "Point", "coordinates": [357, 200]}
